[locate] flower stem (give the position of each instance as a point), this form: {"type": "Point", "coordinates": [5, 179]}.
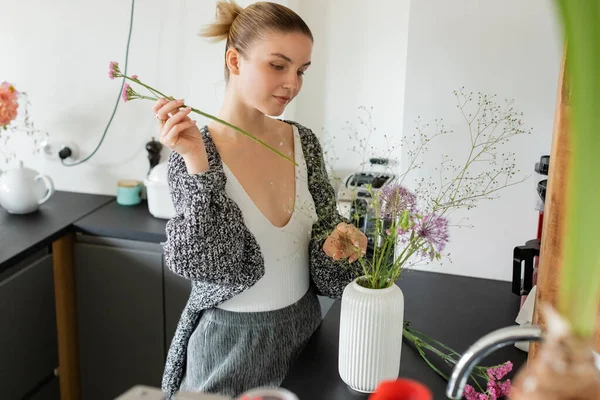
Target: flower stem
{"type": "Point", "coordinates": [155, 91]}
{"type": "Point", "coordinates": [423, 342]}
{"type": "Point", "coordinates": [243, 132]}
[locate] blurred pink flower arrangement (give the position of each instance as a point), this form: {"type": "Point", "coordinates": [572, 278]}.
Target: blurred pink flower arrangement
{"type": "Point", "coordinates": [9, 104]}
{"type": "Point", "coordinates": [12, 103]}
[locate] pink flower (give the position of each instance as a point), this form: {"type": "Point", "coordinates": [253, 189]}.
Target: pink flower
{"type": "Point", "coordinates": [495, 390]}
{"type": "Point", "coordinates": [125, 94]}
{"type": "Point", "coordinates": [471, 394]}
{"type": "Point", "coordinates": [8, 103]}
{"type": "Point", "coordinates": [498, 390]}
{"type": "Point", "coordinates": [5, 86]}
{"type": "Point", "coordinates": [500, 371]}
{"type": "Point", "coordinates": [134, 76]}
{"type": "Point", "coordinates": [113, 70]}
{"type": "Point", "coordinates": [503, 388]}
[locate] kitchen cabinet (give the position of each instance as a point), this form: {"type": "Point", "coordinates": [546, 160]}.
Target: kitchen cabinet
{"type": "Point", "coordinates": [28, 348]}
{"type": "Point", "coordinates": [120, 315]}
{"type": "Point", "coordinates": [48, 391]}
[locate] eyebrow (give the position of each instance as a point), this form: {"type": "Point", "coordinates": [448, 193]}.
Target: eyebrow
{"type": "Point", "coordinates": [286, 58]}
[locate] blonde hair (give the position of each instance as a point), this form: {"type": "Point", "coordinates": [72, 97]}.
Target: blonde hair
{"type": "Point", "coordinates": [242, 26]}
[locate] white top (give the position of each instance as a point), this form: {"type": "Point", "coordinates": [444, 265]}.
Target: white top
{"type": "Point", "coordinates": [285, 249]}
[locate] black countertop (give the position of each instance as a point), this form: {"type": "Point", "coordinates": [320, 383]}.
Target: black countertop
{"type": "Point", "coordinates": [124, 222]}
{"type": "Point", "coordinates": [452, 309]}
{"type": "Point", "coordinates": [21, 235]}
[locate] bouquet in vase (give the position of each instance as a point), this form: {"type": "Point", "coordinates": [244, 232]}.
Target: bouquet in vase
{"type": "Point", "coordinates": [410, 224]}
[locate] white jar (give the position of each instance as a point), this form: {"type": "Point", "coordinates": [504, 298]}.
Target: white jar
{"type": "Point", "coordinates": [160, 204]}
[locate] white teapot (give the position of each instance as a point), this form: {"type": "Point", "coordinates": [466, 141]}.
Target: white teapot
{"type": "Point", "coordinates": [23, 190]}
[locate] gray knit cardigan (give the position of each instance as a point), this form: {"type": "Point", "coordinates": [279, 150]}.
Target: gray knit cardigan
{"type": "Point", "coordinates": [208, 242]}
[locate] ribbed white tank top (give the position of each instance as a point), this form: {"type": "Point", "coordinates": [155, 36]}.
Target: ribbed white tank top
{"type": "Point", "coordinates": [285, 249]}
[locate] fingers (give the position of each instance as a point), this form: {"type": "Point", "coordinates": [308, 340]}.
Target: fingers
{"type": "Point", "coordinates": [180, 120]}
{"type": "Point", "coordinates": [338, 249]}
{"type": "Point", "coordinates": [158, 104]}
{"type": "Point", "coordinates": [346, 241]}
{"type": "Point", "coordinates": [171, 137]}
{"type": "Point", "coordinates": [165, 108]}
{"type": "Point", "coordinates": [176, 118]}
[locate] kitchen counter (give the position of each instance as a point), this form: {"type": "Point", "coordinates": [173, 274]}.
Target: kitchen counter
{"type": "Point", "coordinates": [21, 235]}
{"type": "Point", "coordinates": [453, 309]}
{"type": "Point", "coordinates": [124, 222]}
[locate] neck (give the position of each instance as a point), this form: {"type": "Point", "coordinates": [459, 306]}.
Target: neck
{"type": "Point", "coordinates": [241, 115]}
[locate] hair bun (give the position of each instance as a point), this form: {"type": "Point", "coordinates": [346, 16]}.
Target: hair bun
{"type": "Point", "coordinates": [227, 12]}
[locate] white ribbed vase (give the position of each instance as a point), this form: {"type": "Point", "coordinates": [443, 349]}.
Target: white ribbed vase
{"type": "Point", "coordinates": [371, 323]}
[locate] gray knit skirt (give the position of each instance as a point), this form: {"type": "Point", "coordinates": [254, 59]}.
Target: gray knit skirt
{"type": "Point", "coordinates": [232, 352]}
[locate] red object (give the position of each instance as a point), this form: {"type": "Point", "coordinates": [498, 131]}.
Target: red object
{"type": "Point", "coordinates": [401, 389]}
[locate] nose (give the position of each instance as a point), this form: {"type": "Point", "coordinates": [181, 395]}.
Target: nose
{"type": "Point", "coordinates": [292, 82]}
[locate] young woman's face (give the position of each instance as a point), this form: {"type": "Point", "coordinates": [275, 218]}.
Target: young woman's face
{"type": "Point", "coordinates": [272, 71]}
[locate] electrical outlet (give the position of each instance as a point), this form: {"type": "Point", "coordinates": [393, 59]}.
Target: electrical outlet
{"type": "Point", "coordinates": [51, 148]}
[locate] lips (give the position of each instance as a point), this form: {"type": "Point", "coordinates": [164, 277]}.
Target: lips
{"type": "Point", "coordinates": [282, 99]}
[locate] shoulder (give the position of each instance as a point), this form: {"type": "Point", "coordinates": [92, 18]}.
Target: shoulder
{"type": "Point", "coordinates": [310, 141]}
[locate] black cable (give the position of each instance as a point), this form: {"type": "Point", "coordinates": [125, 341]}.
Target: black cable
{"type": "Point", "coordinates": [118, 97]}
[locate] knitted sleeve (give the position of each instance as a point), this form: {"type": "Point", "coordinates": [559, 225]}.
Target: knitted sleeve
{"type": "Point", "coordinates": [207, 239]}
{"type": "Point", "coordinates": [329, 276]}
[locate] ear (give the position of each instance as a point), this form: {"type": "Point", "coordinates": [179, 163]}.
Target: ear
{"type": "Point", "coordinates": [232, 59]}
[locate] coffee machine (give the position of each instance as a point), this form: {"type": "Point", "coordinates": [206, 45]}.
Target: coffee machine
{"type": "Point", "coordinates": [526, 257]}
{"type": "Point", "coordinates": [353, 196]}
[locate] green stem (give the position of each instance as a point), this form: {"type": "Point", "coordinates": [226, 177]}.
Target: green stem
{"type": "Point", "coordinates": [423, 336]}
{"type": "Point", "coordinates": [580, 281]}
{"type": "Point", "coordinates": [243, 132]}
{"type": "Point", "coordinates": [148, 87]}
{"type": "Point", "coordinates": [416, 338]}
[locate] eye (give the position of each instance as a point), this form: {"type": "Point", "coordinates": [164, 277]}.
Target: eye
{"type": "Point", "coordinates": [277, 67]}
{"type": "Point", "coordinates": [301, 73]}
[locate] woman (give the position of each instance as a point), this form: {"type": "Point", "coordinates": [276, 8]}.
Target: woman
{"type": "Point", "coordinates": [258, 236]}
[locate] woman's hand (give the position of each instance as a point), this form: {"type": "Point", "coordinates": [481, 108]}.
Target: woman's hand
{"type": "Point", "coordinates": [346, 241]}
{"type": "Point", "coordinates": [177, 130]}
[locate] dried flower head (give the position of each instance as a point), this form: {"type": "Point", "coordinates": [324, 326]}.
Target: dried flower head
{"type": "Point", "coordinates": [395, 199]}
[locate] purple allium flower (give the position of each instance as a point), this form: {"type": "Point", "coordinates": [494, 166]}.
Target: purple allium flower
{"type": "Point", "coordinates": [395, 199]}
{"type": "Point", "coordinates": [434, 229]}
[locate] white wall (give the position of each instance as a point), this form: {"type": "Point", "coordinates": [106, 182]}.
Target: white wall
{"type": "Point", "coordinates": [511, 48]}
{"type": "Point", "coordinates": [59, 52]}
{"type": "Point", "coordinates": [359, 60]}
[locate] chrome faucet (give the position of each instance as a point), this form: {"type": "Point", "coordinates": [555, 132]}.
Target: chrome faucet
{"type": "Point", "coordinates": [480, 349]}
